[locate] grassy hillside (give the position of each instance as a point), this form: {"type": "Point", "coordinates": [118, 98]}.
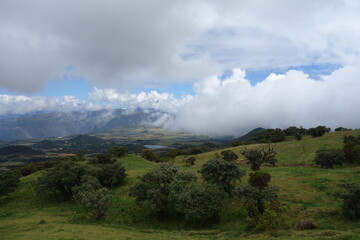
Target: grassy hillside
{"type": "Point", "coordinates": [305, 189]}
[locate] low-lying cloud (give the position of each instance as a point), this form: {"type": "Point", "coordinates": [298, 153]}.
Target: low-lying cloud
{"type": "Point", "coordinates": [228, 106]}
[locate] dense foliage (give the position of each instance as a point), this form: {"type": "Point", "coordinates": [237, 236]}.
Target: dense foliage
{"type": "Point", "coordinates": [327, 158]}
{"type": "Point", "coordinates": [93, 196]}
{"type": "Point", "coordinates": [318, 131]}
{"type": "Point", "coordinates": [118, 151]}
{"type": "Point", "coordinates": [229, 155]}
{"type": "Point", "coordinates": [8, 181]}
{"type": "Point", "coordinates": [221, 173]}
{"type": "Point", "coordinates": [351, 200]}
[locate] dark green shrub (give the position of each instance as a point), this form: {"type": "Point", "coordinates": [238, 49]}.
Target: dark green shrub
{"type": "Point", "coordinates": [111, 175]}
{"type": "Point", "coordinates": [103, 158]}
{"type": "Point", "coordinates": [153, 188]}
{"type": "Point", "coordinates": [305, 225]}
{"type": "Point", "coordinates": [61, 179]}
{"type": "Point", "coordinates": [235, 143]}
{"type": "Point", "coordinates": [350, 138]}
{"type": "Point", "coordinates": [199, 203]}
{"type": "Point", "coordinates": [8, 181]}
{"type": "Point", "coordinates": [318, 131]}
{"type": "Point", "coordinates": [351, 200]}
{"type": "Point", "coordinates": [190, 161]}
{"type": "Point", "coordinates": [221, 173]}
{"type": "Point", "coordinates": [30, 168]}
{"type": "Point", "coordinates": [80, 155]}
{"type": "Point", "coordinates": [118, 151]}
{"type": "Point", "coordinates": [327, 158]}
{"type": "Point", "coordinates": [273, 218]}
{"type": "Point", "coordinates": [195, 151]}
{"type": "Point", "coordinates": [229, 155]}
{"type": "Point", "coordinates": [254, 158]}
{"type": "Point", "coordinates": [151, 156]}
{"type": "Point", "coordinates": [255, 198]}
{"type": "Point", "coordinates": [298, 136]}
{"type": "Point", "coordinates": [93, 196]}
{"type": "Point", "coordinates": [259, 179]}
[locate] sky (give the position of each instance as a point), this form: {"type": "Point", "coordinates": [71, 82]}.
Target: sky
{"type": "Point", "coordinates": [213, 67]}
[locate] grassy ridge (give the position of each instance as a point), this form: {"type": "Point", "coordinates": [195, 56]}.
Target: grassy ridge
{"type": "Point", "coordinates": [306, 189]}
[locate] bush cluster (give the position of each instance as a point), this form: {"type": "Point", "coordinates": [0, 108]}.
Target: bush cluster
{"type": "Point", "coordinates": [169, 192]}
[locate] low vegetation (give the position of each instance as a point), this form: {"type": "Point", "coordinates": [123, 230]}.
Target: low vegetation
{"type": "Point", "coordinates": [129, 197]}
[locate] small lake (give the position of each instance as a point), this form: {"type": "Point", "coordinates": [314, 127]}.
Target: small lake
{"type": "Point", "coordinates": [154, 146]}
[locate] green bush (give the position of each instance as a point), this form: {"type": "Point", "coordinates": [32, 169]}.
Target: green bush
{"type": "Point", "coordinates": [93, 196]}
{"type": "Point", "coordinates": [327, 158]}
{"type": "Point", "coordinates": [318, 131]}
{"type": "Point", "coordinates": [153, 189]}
{"type": "Point", "coordinates": [102, 158]}
{"type": "Point", "coordinates": [254, 158]}
{"type": "Point", "coordinates": [221, 173]}
{"type": "Point", "coordinates": [351, 200]}
{"type": "Point", "coordinates": [111, 175]}
{"type": "Point", "coordinates": [229, 155]}
{"type": "Point", "coordinates": [118, 151]}
{"type": "Point", "coordinates": [259, 179]}
{"type": "Point", "coordinates": [199, 203]}
{"type": "Point", "coordinates": [8, 181]}
{"type": "Point", "coordinates": [255, 198]}
{"type": "Point", "coordinates": [151, 156]}
{"type": "Point", "coordinates": [61, 179]}
{"type": "Point", "coordinates": [190, 161]}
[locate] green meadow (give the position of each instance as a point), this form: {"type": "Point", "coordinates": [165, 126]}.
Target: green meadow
{"type": "Point", "coordinates": [307, 192]}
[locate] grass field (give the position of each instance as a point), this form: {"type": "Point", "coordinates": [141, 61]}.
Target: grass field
{"type": "Point", "coordinates": [307, 191]}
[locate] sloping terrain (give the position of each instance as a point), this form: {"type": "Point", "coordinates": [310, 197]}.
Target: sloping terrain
{"type": "Point", "coordinates": [306, 190]}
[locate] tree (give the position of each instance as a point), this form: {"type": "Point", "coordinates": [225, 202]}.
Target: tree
{"type": "Point", "coordinates": [118, 151]}
{"type": "Point", "coordinates": [268, 155]}
{"type": "Point", "coordinates": [61, 179]}
{"type": "Point", "coordinates": [351, 200]}
{"type": "Point", "coordinates": [103, 158]}
{"type": "Point", "coordinates": [198, 203]}
{"type": "Point", "coordinates": [255, 198]}
{"type": "Point", "coordinates": [80, 155]}
{"type": "Point", "coordinates": [93, 196]}
{"type": "Point", "coordinates": [151, 156]}
{"type": "Point", "coordinates": [153, 189]}
{"type": "Point", "coordinates": [327, 158]}
{"type": "Point", "coordinates": [235, 143]}
{"type": "Point", "coordinates": [190, 161]}
{"type": "Point", "coordinates": [111, 175]}
{"type": "Point", "coordinates": [318, 131]}
{"type": "Point", "coordinates": [221, 173]}
{"type": "Point", "coordinates": [254, 157]}
{"type": "Point", "coordinates": [229, 155]}
{"type": "Point", "coordinates": [8, 181]}
{"type": "Point", "coordinates": [259, 179]}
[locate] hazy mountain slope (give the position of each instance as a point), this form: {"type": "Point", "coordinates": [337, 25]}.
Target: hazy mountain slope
{"type": "Point", "coordinates": [57, 124]}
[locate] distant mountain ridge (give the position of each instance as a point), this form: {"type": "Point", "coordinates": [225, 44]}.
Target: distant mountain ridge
{"type": "Point", "coordinates": [59, 124]}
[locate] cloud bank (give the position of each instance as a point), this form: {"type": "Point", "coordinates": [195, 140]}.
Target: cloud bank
{"type": "Point", "coordinates": [134, 43]}
{"type": "Point", "coordinates": [228, 106]}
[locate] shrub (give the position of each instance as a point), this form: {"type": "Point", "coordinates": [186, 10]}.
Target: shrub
{"type": "Point", "coordinates": [221, 173]}
{"type": "Point", "coordinates": [254, 158]}
{"type": "Point", "coordinates": [199, 203]}
{"type": "Point", "coordinates": [111, 175]}
{"type": "Point", "coordinates": [318, 131]}
{"type": "Point", "coordinates": [102, 158]}
{"type": "Point", "coordinates": [255, 198]}
{"type": "Point", "coordinates": [327, 158]}
{"type": "Point", "coordinates": [259, 179]}
{"type": "Point", "coordinates": [93, 196]}
{"type": "Point", "coordinates": [8, 181]}
{"type": "Point", "coordinates": [229, 155]}
{"type": "Point", "coordinates": [305, 225]}
{"type": "Point", "coordinates": [273, 218]}
{"type": "Point", "coordinates": [235, 143]}
{"type": "Point", "coordinates": [80, 155]}
{"type": "Point", "coordinates": [153, 188]}
{"type": "Point", "coordinates": [151, 156]}
{"type": "Point", "coordinates": [298, 136]}
{"type": "Point", "coordinates": [195, 151]}
{"type": "Point", "coordinates": [190, 161]}
{"type": "Point", "coordinates": [61, 179]}
{"type": "Point", "coordinates": [351, 150]}
{"type": "Point", "coordinates": [118, 151]}
{"type": "Point", "coordinates": [351, 200]}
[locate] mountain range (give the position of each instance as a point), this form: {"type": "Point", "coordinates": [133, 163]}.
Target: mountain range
{"type": "Point", "coordinates": [59, 124]}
